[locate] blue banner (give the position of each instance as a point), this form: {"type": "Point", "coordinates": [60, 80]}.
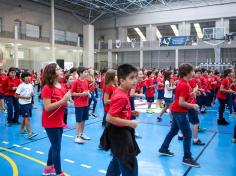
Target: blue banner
{"type": "Point", "coordinates": [178, 41]}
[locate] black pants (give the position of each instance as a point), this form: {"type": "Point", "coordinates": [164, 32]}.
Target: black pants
{"type": "Point", "coordinates": [222, 108]}
{"type": "Point", "coordinates": [54, 154]}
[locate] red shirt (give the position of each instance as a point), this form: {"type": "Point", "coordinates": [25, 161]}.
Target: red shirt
{"type": "Point", "coordinates": [120, 105]}
{"type": "Point", "coordinates": [183, 89]}
{"type": "Point", "coordinates": [210, 79]}
{"type": "Point", "coordinates": [204, 83]}
{"type": "Point", "coordinates": [223, 95]}
{"type": "Point", "coordinates": [138, 88]}
{"type": "Point", "coordinates": [54, 118]}
{"type": "Point", "coordinates": [79, 86]}
{"type": "Point", "coordinates": [160, 79]}
{"type": "Point", "coordinates": [2, 78]}
{"type": "Point", "coordinates": [67, 87]}
{"type": "Point", "coordinates": [109, 89]}
{"type": "Point", "coordinates": [150, 91]}
{"type": "Point", "coordinates": [102, 84]}
{"type": "Point", "coordinates": [8, 84]}
{"type": "Point", "coordinates": [217, 79]}
{"type": "Point", "coordinates": [193, 84]}
{"type": "Point", "coordinates": [92, 86]}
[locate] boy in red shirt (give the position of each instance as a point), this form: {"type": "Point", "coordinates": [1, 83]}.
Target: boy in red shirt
{"type": "Point", "coordinates": [119, 133]}
{"type": "Point", "coordinates": [222, 95]}
{"type": "Point", "coordinates": [150, 91]}
{"type": "Point", "coordinates": [80, 91]}
{"type": "Point", "coordinates": [180, 120]}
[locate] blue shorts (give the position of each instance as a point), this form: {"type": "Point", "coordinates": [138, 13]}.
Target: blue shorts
{"type": "Point", "coordinates": [26, 110]}
{"type": "Point", "coordinates": [1, 96]}
{"type": "Point", "coordinates": [81, 114]}
{"type": "Point", "coordinates": [168, 101]}
{"type": "Point", "coordinates": [150, 99]}
{"type": "Point", "coordinates": [193, 117]}
{"type": "Point", "coordinates": [160, 95]}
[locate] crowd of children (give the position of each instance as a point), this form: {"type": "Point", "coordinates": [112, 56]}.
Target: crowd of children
{"type": "Point", "coordinates": [184, 93]}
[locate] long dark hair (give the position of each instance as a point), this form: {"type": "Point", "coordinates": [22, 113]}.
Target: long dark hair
{"type": "Point", "coordinates": [167, 75]}
{"type": "Point", "coordinates": [49, 74]}
{"type": "Point", "coordinates": [227, 72]}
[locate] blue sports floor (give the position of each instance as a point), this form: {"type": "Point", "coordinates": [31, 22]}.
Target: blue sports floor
{"type": "Point", "coordinates": [23, 157]}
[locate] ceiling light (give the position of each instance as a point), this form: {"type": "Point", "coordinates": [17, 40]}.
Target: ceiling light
{"type": "Point", "coordinates": [140, 34]}
{"type": "Point", "coordinates": [198, 30]}
{"type": "Point", "coordinates": [175, 30]}
{"type": "Point", "coordinates": [158, 33]}
{"type": "Point", "coordinates": [128, 39]}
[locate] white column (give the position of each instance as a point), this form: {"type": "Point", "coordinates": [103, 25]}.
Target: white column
{"type": "Point", "coordinates": [150, 32]}
{"type": "Point", "coordinates": [78, 53]}
{"type": "Point", "coordinates": [217, 51]}
{"type": "Point", "coordinates": [52, 32]}
{"type": "Point", "coordinates": [15, 56]}
{"type": "Point", "coordinates": [141, 55]}
{"type": "Point", "coordinates": [177, 58]}
{"type": "Point", "coordinates": [109, 57]}
{"type": "Point", "coordinates": [88, 55]}
{"type": "Point", "coordinates": [184, 28]}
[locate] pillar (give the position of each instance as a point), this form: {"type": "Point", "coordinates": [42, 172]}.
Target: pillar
{"type": "Point", "coordinates": [15, 48]}
{"type": "Point", "coordinates": [52, 32]}
{"type": "Point", "coordinates": [177, 58]}
{"type": "Point", "coordinates": [88, 55]}
{"type": "Point", "coordinates": [141, 55]}
{"type": "Point", "coordinates": [109, 56]}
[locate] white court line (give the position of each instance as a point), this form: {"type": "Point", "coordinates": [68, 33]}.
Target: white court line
{"type": "Point", "coordinates": [102, 171]}
{"type": "Point", "coordinates": [68, 136]}
{"type": "Point", "coordinates": [39, 152]}
{"type": "Point", "coordinates": [5, 142]}
{"type": "Point", "coordinates": [86, 166]}
{"type": "Point", "coordinates": [26, 148]}
{"type": "Point", "coordinates": [15, 145]}
{"type": "Point", "coordinates": [69, 161]}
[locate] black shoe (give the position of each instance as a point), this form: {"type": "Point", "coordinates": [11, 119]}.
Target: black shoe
{"type": "Point", "coordinates": [190, 162]}
{"type": "Point", "coordinates": [222, 122]}
{"type": "Point", "coordinates": [180, 138]}
{"type": "Point", "coordinates": [199, 142]}
{"type": "Point", "coordinates": [159, 119]}
{"type": "Point", "coordinates": [165, 152]}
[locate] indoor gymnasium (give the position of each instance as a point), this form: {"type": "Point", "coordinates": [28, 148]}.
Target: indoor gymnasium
{"type": "Point", "coordinates": [117, 87]}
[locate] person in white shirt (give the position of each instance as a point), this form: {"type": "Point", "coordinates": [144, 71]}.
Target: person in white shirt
{"type": "Point", "coordinates": [168, 93]}
{"type": "Point", "coordinates": [24, 93]}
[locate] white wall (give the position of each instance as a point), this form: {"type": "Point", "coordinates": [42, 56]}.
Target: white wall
{"type": "Point", "coordinates": [33, 13]}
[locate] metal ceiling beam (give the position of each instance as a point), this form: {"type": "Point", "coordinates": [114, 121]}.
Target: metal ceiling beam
{"type": "Point", "coordinates": [95, 19]}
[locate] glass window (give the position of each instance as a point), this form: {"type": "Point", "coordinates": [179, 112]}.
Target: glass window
{"type": "Point", "coordinates": [194, 27]}
{"type": "Point", "coordinates": [232, 25]}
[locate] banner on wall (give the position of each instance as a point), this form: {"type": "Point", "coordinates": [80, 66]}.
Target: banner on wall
{"type": "Point", "coordinates": [178, 41]}
{"type": "Point", "coordinates": [118, 43]}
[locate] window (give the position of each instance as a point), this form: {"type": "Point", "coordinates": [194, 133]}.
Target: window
{"type": "Point", "coordinates": [196, 26]}
{"type": "Point", "coordinates": [33, 31]}
{"type": "Point", "coordinates": [232, 25]}
{"type": "Point", "coordinates": [60, 35]}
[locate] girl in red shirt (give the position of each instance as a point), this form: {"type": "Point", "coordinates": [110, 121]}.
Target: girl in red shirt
{"type": "Point", "coordinates": [10, 85]}
{"type": "Point", "coordinates": [110, 86]}
{"type": "Point", "coordinates": [222, 95]}
{"type": "Point", "coordinates": [55, 98]}
{"type": "Point", "coordinates": [150, 91]}
{"type": "Point", "coordinates": [2, 78]}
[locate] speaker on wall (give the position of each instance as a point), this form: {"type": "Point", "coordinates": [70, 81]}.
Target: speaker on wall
{"type": "Point", "coordinates": [60, 62]}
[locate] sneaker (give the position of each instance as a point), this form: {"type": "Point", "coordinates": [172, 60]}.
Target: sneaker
{"type": "Point", "coordinates": [165, 152]}
{"type": "Point", "coordinates": [190, 162]}
{"type": "Point", "coordinates": [49, 171]}
{"type": "Point", "coordinates": [85, 137]}
{"type": "Point", "coordinates": [199, 142]}
{"type": "Point", "coordinates": [222, 122]}
{"type": "Point", "coordinates": [159, 119]}
{"type": "Point", "coordinates": [79, 140]}
{"type": "Point", "coordinates": [62, 174]}
{"type": "Point", "coordinates": [234, 140]}
{"type": "Point", "coordinates": [180, 138]}
{"type": "Point", "coordinates": [31, 135]}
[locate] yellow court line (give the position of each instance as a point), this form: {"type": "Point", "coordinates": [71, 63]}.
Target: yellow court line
{"type": "Point", "coordinates": [12, 163]}
{"type": "Point", "coordinates": [26, 156]}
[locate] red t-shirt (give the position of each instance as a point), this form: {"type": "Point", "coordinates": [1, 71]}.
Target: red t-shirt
{"type": "Point", "coordinates": [67, 87]}
{"type": "Point", "coordinates": [102, 84]}
{"type": "Point", "coordinates": [109, 89]}
{"type": "Point", "coordinates": [92, 86]}
{"type": "Point", "coordinates": [223, 95]}
{"type": "Point", "coordinates": [53, 119]}
{"type": "Point", "coordinates": [138, 88]}
{"type": "Point", "coordinates": [2, 78]}
{"type": "Point", "coordinates": [120, 105]}
{"type": "Point", "coordinates": [8, 84]}
{"type": "Point", "coordinates": [210, 79]}
{"type": "Point", "coordinates": [79, 86]}
{"type": "Point", "coordinates": [150, 91]}
{"type": "Point", "coordinates": [217, 79]}
{"type": "Point", "coordinates": [183, 89]}
{"type": "Point", "coordinates": [193, 84]}
{"type": "Point", "coordinates": [160, 79]}
{"type": "Point", "coordinates": [204, 83]}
